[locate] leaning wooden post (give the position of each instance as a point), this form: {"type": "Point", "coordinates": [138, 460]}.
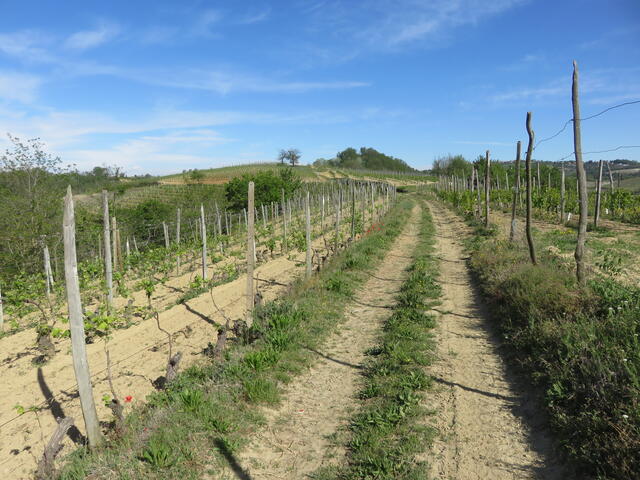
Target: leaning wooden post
{"type": "Point", "coordinates": [47, 270]}
{"type": "Point", "coordinates": [562, 195]}
{"type": "Point", "coordinates": [108, 265]}
{"type": "Point", "coordinates": [165, 230]}
{"type": "Point", "coordinates": [307, 212]}
{"type": "Point", "coordinates": [516, 191]}
{"type": "Point", "coordinates": [114, 243]}
{"type": "Point", "coordinates": [284, 223]}
{"type": "Point", "coordinates": [76, 322]}
{"type": "Point", "coordinates": [530, 132]}
{"type": "Point", "coordinates": [250, 255]}
{"type": "Point", "coordinates": [487, 189]}
{"type": "Point", "coordinates": [178, 219]}
{"type": "Point", "coordinates": [596, 216]}
{"type": "Point", "coordinates": [203, 229]}
{"type": "Point", "coordinates": [582, 180]}
{"type": "Point", "coordinates": [353, 211]}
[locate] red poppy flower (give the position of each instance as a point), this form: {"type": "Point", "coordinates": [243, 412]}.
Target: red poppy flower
{"type": "Point", "coordinates": [128, 399]}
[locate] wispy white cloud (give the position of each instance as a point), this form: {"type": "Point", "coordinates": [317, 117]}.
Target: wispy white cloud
{"type": "Point", "coordinates": [19, 86]}
{"type": "Point", "coordinates": [26, 45]}
{"type": "Point", "coordinates": [86, 39]}
{"type": "Point", "coordinates": [225, 83]}
{"type": "Point", "coordinates": [255, 17]}
{"type": "Point", "coordinates": [205, 21]}
{"type": "Point", "coordinates": [399, 23]}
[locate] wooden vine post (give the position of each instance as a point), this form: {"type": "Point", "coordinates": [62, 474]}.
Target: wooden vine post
{"type": "Point", "coordinates": [562, 195]}
{"type": "Point", "coordinates": [582, 180]}
{"type": "Point", "coordinates": [353, 211]}
{"type": "Point", "coordinates": [516, 192]}
{"type": "Point", "coordinates": [108, 265]}
{"type": "Point", "coordinates": [47, 270]}
{"type": "Point", "coordinates": [114, 243]}
{"type": "Point", "coordinates": [487, 189]}
{"type": "Point", "coordinates": [307, 212]}
{"type": "Point", "coordinates": [250, 254]}
{"type": "Point", "coordinates": [76, 322]}
{"type": "Point", "coordinates": [203, 230]}
{"type": "Point", "coordinates": [596, 216]}
{"type": "Point", "coordinates": [532, 251]}
{"type": "Point", "coordinates": [284, 222]}
{"type": "Point", "coordinates": [178, 214]}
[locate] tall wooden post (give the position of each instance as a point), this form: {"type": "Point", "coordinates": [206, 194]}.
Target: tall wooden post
{"type": "Point", "coordinates": [516, 191]}
{"type": "Point", "coordinates": [178, 220]}
{"type": "Point", "coordinates": [596, 217]}
{"type": "Point", "coordinates": [353, 212]}
{"type": "Point", "coordinates": [203, 230]}
{"type": "Point", "coordinates": [108, 265]}
{"type": "Point", "coordinates": [562, 195]}
{"type": "Point", "coordinates": [284, 223]}
{"type": "Point", "coordinates": [76, 323]}
{"type": "Point", "coordinates": [47, 270]}
{"type": "Point", "coordinates": [487, 190]}
{"type": "Point", "coordinates": [250, 255]}
{"type": "Point", "coordinates": [532, 251]}
{"type": "Point", "coordinates": [307, 212]}
{"type": "Point", "coordinates": [165, 230]}
{"type": "Point", "coordinates": [114, 243]}
{"type": "Point", "coordinates": [582, 180]}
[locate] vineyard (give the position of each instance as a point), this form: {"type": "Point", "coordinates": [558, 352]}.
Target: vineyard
{"type": "Point", "coordinates": [150, 280]}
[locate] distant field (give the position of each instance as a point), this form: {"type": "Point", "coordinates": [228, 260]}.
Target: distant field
{"type": "Point", "coordinates": [219, 176]}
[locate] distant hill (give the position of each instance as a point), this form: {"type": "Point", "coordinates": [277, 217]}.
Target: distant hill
{"type": "Point", "coordinates": [365, 158]}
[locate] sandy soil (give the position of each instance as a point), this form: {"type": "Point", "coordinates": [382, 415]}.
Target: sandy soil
{"type": "Point", "coordinates": [488, 426]}
{"type": "Point", "coordinates": [138, 354]}
{"type": "Point", "coordinates": [318, 403]}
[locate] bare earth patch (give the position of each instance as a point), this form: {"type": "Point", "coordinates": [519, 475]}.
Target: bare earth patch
{"type": "Point", "coordinates": [488, 427]}
{"type": "Point", "coordinates": [297, 439]}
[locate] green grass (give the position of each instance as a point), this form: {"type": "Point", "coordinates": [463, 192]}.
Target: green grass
{"type": "Point", "coordinates": [388, 431]}
{"type": "Point", "coordinates": [579, 346]}
{"type": "Point", "coordinates": [211, 410]}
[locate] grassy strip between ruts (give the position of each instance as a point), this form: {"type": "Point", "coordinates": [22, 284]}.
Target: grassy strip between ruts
{"type": "Point", "coordinates": [579, 345]}
{"type": "Point", "coordinates": [386, 434]}
{"type": "Point", "coordinates": [211, 410]}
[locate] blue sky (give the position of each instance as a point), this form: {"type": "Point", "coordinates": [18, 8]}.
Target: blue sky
{"type": "Point", "coordinates": [164, 86]}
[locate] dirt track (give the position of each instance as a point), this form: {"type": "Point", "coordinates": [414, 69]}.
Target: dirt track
{"type": "Point", "coordinates": [488, 427]}
{"type": "Point", "coordinates": [296, 440]}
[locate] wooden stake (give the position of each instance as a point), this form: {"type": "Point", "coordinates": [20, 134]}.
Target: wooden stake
{"type": "Point", "coordinates": [108, 265]}
{"type": "Point", "coordinates": [582, 180]}
{"type": "Point", "coordinates": [596, 217]}
{"type": "Point", "coordinates": [250, 255]}
{"type": "Point", "coordinates": [487, 189]}
{"type": "Point", "coordinates": [562, 195]}
{"type": "Point", "coordinates": [114, 243]}
{"type": "Point", "coordinates": [307, 211]}
{"type": "Point", "coordinates": [76, 322]}
{"type": "Point", "coordinates": [532, 251]}
{"type": "Point", "coordinates": [203, 229]}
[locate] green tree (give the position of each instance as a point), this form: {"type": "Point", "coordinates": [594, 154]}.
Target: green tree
{"type": "Point", "coordinates": [31, 192]}
{"type": "Point", "coordinates": [292, 156]}
{"type": "Point", "coordinates": [268, 187]}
